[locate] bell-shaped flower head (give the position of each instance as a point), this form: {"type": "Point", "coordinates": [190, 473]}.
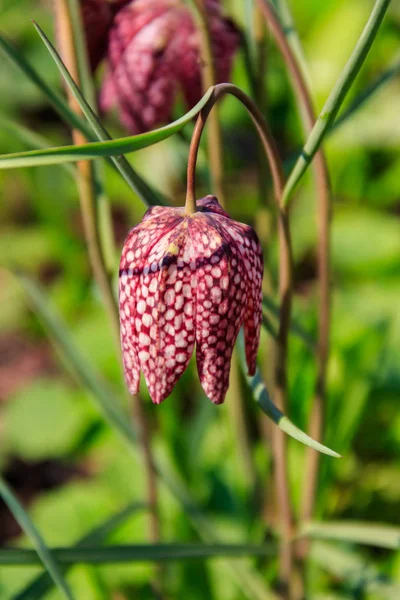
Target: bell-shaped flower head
{"type": "Point", "coordinates": [188, 280]}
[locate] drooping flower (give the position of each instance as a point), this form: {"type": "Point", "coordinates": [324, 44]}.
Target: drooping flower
{"type": "Point", "coordinates": [186, 280]}
{"type": "Point", "coordinates": [97, 17]}
{"type": "Point", "coordinates": [153, 51]}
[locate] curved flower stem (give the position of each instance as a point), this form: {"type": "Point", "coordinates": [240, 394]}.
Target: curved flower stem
{"type": "Point", "coordinates": [275, 164]}
{"type": "Point", "coordinates": [87, 193]}
{"type": "Point", "coordinates": [285, 294]}
{"type": "Point", "coordinates": [296, 69]}
{"type": "Point", "coordinates": [209, 78]}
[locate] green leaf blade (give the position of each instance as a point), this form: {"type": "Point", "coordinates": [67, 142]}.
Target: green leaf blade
{"type": "Point", "coordinates": [336, 97]}
{"type": "Point", "coordinates": [94, 150]}
{"type": "Point", "coordinates": [263, 399]}
{"type": "Point", "coordinates": [134, 553]}
{"type": "Point", "coordinates": [42, 584]}
{"type": "Point", "coordinates": [139, 186]}
{"type": "Point", "coordinates": [41, 554]}
{"type": "Point", "coordinates": [370, 534]}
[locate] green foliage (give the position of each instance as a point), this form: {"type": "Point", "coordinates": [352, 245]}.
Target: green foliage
{"type": "Point", "coordinates": [64, 408]}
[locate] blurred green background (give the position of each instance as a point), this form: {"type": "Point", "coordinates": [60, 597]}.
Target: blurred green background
{"type": "Point", "coordinates": [56, 451]}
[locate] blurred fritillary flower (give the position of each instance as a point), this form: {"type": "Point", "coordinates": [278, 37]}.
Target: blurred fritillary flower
{"type": "Point", "coordinates": [186, 280]}
{"type": "Point", "coordinates": [97, 18]}
{"type": "Point", "coordinates": [153, 51]}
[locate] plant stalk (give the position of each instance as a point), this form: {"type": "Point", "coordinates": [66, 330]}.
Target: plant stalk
{"type": "Point", "coordinates": [336, 97]}
{"type": "Point", "coordinates": [85, 179]}
{"type": "Point", "coordinates": [86, 186]}
{"type": "Point", "coordinates": [209, 78]}
{"type": "Point", "coordinates": [285, 294]}
{"type": "Point", "coordinates": [292, 57]}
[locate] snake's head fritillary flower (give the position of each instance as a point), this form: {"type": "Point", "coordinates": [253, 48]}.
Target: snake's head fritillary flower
{"type": "Point", "coordinates": [188, 280]}
{"type": "Point", "coordinates": [97, 17]}
{"type": "Point", "coordinates": [153, 51]}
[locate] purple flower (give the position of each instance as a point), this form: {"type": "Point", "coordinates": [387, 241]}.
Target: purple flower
{"type": "Point", "coordinates": [153, 51]}
{"type": "Point", "coordinates": [97, 17]}
{"type": "Point", "coordinates": [186, 280]}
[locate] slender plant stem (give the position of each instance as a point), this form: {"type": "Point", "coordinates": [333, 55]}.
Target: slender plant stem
{"type": "Point", "coordinates": [292, 37]}
{"type": "Point", "coordinates": [285, 295]}
{"type": "Point", "coordinates": [143, 435]}
{"type": "Point", "coordinates": [238, 418]}
{"type": "Point", "coordinates": [209, 78]}
{"type": "Point", "coordinates": [292, 56]}
{"type": "Point", "coordinates": [103, 206]}
{"type": "Point", "coordinates": [88, 207]}
{"type": "Point", "coordinates": [85, 171]}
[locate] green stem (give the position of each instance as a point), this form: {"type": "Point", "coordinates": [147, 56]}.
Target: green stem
{"type": "Point", "coordinates": [88, 205]}
{"type": "Point", "coordinates": [137, 184]}
{"type": "Point", "coordinates": [294, 60]}
{"type": "Point", "coordinates": [103, 208]}
{"type": "Point", "coordinates": [285, 296]}
{"type": "Point", "coordinates": [237, 413]}
{"type": "Point", "coordinates": [209, 78]}
{"type": "Point", "coordinates": [336, 97]}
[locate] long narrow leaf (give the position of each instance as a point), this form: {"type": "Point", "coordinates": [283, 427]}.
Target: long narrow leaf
{"type": "Point", "coordinates": [105, 399]}
{"type": "Point", "coordinates": [296, 328]}
{"type": "Point", "coordinates": [94, 150]}
{"type": "Point", "coordinates": [367, 94]}
{"type": "Point", "coordinates": [336, 97]}
{"type": "Point", "coordinates": [263, 398]}
{"type": "Point", "coordinates": [136, 553]}
{"type": "Point", "coordinates": [32, 139]}
{"type": "Point", "coordinates": [360, 575]}
{"type": "Point", "coordinates": [371, 534]}
{"type": "Point", "coordinates": [59, 104]}
{"type": "Point", "coordinates": [141, 188]}
{"type": "Point", "coordinates": [41, 553]}
{"type": "Point", "coordinates": [81, 49]}
{"type": "Point", "coordinates": [57, 101]}
{"type": "Point", "coordinates": [249, 581]}
{"type": "Point", "coordinates": [43, 583]}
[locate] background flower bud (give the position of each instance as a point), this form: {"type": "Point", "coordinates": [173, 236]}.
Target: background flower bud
{"type": "Point", "coordinates": [153, 51]}
{"type": "Point", "coordinates": [97, 17]}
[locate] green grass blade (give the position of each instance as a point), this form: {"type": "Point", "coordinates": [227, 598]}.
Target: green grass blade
{"type": "Point", "coordinates": [139, 186]}
{"type": "Point", "coordinates": [336, 97]}
{"type": "Point", "coordinates": [358, 102]}
{"type": "Point", "coordinates": [367, 94]}
{"type": "Point", "coordinates": [85, 74]}
{"type": "Point", "coordinates": [362, 577]}
{"type": "Point", "coordinates": [32, 139]}
{"type": "Point", "coordinates": [59, 104]}
{"type": "Point", "coordinates": [250, 582]}
{"type": "Point", "coordinates": [285, 16]}
{"type": "Point", "coordinates": [296, 329]}
{"type": "Point", "coordinates": [262, 397]}
{"type": "Point", "coordinates": [105, 399]}
{"type": "Point", "coordinates": [371, 534]}
{"type": "Point", "coordinates": [93, 150]}
{"type": "Point", "coordinates": [41, 552]}
{"type": "Point", "coordinates": [42, 584]}
{"type": "Point", "coordinates": [269, 326]}
{"type": "Point", "coordinates": [134, 553]}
